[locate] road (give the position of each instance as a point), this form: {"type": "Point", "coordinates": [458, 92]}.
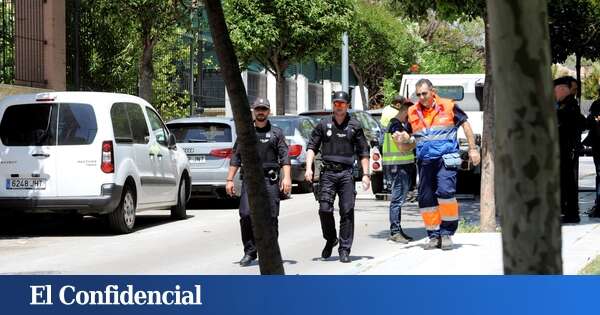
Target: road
{"type": "Point", "coordinates": [208, 242]}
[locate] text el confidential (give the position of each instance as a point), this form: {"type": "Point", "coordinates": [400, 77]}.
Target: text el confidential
{"type": "Point", "coordinates": [114, 295]}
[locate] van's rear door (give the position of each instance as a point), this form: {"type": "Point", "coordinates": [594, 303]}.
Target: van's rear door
{"type": "Point", "coordinates": [79, 151]}
{"type": "Point", "coordinates": [28, 157]}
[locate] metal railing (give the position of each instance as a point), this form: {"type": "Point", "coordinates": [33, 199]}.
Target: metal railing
{"type": "Point", "coordinates": [29, 42]}
{"type": "Point", "coordinates": [7, 41]}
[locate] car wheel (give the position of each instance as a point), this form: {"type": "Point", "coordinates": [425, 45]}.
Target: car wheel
{"type": "Point", "coordinates": [122, 219]}
{"type": "Point", "coordinates": [178, 211]}
{"type": "Point", "coordinates": [304, 187]}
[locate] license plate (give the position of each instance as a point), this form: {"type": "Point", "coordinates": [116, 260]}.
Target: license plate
{"type": "Point", "coordinates": [26, 183]}
{"type": "Point", "coordinates": [197, 159]}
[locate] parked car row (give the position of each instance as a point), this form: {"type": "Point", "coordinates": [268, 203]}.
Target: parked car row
{"type": "Point", "coordinates": [111, 155]}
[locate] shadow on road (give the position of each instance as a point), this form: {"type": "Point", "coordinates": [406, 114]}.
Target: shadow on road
{"type": "Point", "coordinates": [337, 258]}
{"type": "Point", "coordinates": [36, 225]}
{"type": "Point", "coordinates": [415, 233]}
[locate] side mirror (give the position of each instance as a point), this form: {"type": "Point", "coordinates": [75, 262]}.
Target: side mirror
{"type": "Point", "coordinates": [172, 143]}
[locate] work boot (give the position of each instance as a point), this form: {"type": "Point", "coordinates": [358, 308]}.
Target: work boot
{"type": "Point", "coordinates": [398, 238]}
{"type": "Point", "coordinates": [446, 242]}
{"type": "Point", "coordinates": [247, 260]}
{"type": "Point", "coordinates": [407, 237]}
{"type": "Point", "coordinates": [570, 219]}
{"type": "Point", "coordinates": [344, 256]}
{"type": "Point", "coordinates": [594, 212]}
{"type": "Point", "coordinates": [326, 253]}
{"type": "Point", "coordinates": [434, 242]}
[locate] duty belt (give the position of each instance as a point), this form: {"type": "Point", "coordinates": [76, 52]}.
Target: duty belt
{"type": "Point", "coordinates": [334, 167]}
{"type": "Point", "coordinates": [272, 174]}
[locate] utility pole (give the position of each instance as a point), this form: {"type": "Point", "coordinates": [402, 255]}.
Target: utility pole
{"type": "Point", "coordinates": [345, 62]}
{"type": "Point", "coordinates": [200, 62]}
{"type": "Point", "coordinates": [191, 76]}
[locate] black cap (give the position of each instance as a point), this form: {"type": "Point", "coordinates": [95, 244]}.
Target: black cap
{"type": "Point", "coordinates": [341, 96]}
{"type": "Point", "coordinates": [261, 102]}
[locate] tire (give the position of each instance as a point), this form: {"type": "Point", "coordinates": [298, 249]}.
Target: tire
{"type": "Point", "coordinates": [122, 220]}
{"type": "Point", "coordinates": [304, 187]}
{"type": "Point", "coordinates": [178, 211]}
{"type": "Point", "coordinates": [377, 183]}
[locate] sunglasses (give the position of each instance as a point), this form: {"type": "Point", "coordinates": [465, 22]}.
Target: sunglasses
{"type": "Point", "coordinates": [422, 93]}
{"type": "Point", "coordinates": [339, 104]}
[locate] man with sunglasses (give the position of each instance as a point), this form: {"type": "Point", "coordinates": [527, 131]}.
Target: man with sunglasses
{"type": "Point", "coordinates": [273, 152]}
{"type": "Point", "coordinates": [434, 122]}
{"type": "Point", "coordinates": [340, 138]}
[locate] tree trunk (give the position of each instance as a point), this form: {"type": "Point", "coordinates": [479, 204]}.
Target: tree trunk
{"type": "Point", "coordinates": [146, 68]}
{"type": "Point", "coordinates": [527, 137]}
{"type": "Point", "coordinates": [361, 85]}
{"type": "Point", "coordinates": [280, 93]}
{"type": "Point", "coordinates": [266, 240]}
{"type": "Point", "coordinates": [487, 198]}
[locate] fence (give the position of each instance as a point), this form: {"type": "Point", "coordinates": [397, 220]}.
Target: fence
{"type": "Point", "coordinates": [29, 43]}
{"type": "Point", "coordinates": [7, 41]}
{"type": "Point", "coordinates": [291, 96]}
{"type": "Point", "coordinates": [315, 96]}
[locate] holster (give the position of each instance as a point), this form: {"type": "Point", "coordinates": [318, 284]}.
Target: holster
{"type": "Point", "coordinates": [316, 190]}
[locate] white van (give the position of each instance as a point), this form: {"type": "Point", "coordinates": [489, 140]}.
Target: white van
{"type": "Point", "coordinates": [461, 88]}
{"type": "Point", "coordinates": [89, 153]}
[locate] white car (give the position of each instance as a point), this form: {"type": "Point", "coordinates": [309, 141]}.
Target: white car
{"type": "Point", "coordinates": [88, 153]}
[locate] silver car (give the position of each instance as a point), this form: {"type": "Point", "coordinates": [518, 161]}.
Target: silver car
{"type": "Point", "coordinates": [297, 131]}
{"type": "Point", "coordinates": [208, 143]}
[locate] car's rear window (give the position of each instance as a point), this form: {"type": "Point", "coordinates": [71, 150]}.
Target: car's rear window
{"type": "Point", "coordinates": [201, 132]}
{"type": "Point", "coordinates": [287, 125]}
{"type": "Point", "coordinates": [48, 124]}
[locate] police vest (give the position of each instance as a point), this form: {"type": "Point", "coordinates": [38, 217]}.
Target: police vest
{"type": "Point", "coordinates": [338, 142]}
{"type": "Point", "coordinates": [268, 151]}
{"type": "Point", "coordinates": [434, 130]}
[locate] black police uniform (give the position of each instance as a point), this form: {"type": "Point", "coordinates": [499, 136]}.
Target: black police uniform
{"type": "Point", "coordinates": [570, 124]}
{"type": "Point", "coordinates": [339, 144]}
{"type": "Point", "coordinates": [273, 152]}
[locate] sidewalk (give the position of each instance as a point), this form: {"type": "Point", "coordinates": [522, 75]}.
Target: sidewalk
{"type": "Point", "coordinates": [481, 253]}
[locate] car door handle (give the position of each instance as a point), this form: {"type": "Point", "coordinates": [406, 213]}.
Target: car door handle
{"type": "Point", "coordinates": [42, 155]}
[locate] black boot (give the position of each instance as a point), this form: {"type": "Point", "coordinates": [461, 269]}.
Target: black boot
{"type": "Point", "coordinates": [326, 253]}
{"type": "Point", "coordinates": [344, 256]}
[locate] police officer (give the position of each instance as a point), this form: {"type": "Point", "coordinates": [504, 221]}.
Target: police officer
{"type": "Point", "coordinates": [340, 138]}
{"type": "Point", "coordinates": [273, 152]}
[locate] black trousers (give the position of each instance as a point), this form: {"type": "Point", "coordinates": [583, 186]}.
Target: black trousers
{"type": "Point", "coordinates": [246, 221]}
{"type": "Point", "coordinates": [342, 184]}
{"type": "Point", "coordinates": [569, 189]}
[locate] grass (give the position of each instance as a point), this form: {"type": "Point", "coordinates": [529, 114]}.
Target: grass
{"type": "Point", "coordinates": [465, 226]}
{"type": "Point", "coordinates": [592, 268]}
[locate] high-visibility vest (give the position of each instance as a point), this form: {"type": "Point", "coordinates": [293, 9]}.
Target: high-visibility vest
{"type": "Point", "coordinates": [391, 155]}
{"type": "Point", "coordinates": [434, 129]}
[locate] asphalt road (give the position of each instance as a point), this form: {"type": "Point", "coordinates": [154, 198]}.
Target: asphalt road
{"type": "Point", "coordinates": [207, 242]}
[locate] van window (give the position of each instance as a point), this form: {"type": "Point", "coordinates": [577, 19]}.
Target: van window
{"type": "Point", "coordinates": [160, 131]}
{"type": "Point", "coordinates": [139, 127]}
{"type": "Point", "coordinates": [76, 124]}
{"type": "Point", "coordinates": [129, 124]}
{"type": "Point", "coordinates": [48, 124]}
{"type": "Point", "coordinates": [201, 132]}
{"type": "Point", "coordinates": [453, 92]}
{"type": "Point", "coordinates": [120, 122]}
{"type": "Point", "coordinates": [286, 125]}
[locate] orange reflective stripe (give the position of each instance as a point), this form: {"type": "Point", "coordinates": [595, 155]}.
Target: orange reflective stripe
{"type": "Point", "coordinates": [443, 116]}
{"type": "Point", "coordinates": [431, 218]}
{"type": "Point", "coordinates": [448, 209]}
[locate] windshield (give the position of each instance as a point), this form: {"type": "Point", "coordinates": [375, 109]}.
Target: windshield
{"type": "Point", "coordinates": [201, 132]}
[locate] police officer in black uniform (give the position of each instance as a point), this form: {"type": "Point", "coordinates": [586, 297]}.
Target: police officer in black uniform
{"type": "Point", "coordinates": [340, 138]}
{"type": "Point", "coordinates": [273, 153]}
